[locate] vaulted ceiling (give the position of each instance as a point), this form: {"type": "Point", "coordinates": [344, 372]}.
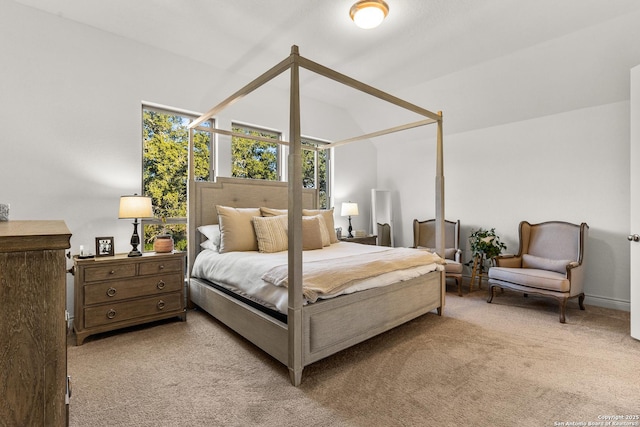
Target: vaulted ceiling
{"type": "Point", "coordinates": [420, 40]}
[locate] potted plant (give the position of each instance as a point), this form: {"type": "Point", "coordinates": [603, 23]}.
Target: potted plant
{"type": "Point", "coordinates": [485, 244]}
{"type": "Point", "coordinates": [164, 241]}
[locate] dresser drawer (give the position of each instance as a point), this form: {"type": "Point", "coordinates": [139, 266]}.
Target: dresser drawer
{"type": "Point", "coordinates": [161, 266]}
{"type": "Point", "coordinates": [127, 310]}
{"type": "Point", "coordinates": [109, 272]}
{"type": "Point", "coordinates": [117, 290]}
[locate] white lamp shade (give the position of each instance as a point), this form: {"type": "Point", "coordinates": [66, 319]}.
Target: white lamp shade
{"type": "Point", "coordinates": [368, 14]}
{"type": "Point", "coordinates": [349, 209]}
{"type": "Point", "coordinates": [135, 207]}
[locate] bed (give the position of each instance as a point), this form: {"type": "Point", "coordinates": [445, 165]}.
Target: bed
{"type": "Point", "coordinates": [307, 332]}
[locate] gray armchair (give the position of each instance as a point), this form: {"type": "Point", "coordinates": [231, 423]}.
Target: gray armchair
{"type": "Point", "coordinates": [549, 262]}
{"type": "Point", "coordinates": [424, 237]}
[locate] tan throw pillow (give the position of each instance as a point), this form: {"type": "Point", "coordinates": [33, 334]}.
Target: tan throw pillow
{"type": "Point", "coordinates": [326, 240]}
{"type": "Point", "coordinates": [272, 211]}
{"type": "Point", "coordinates": [236, 229]}
{"type": "Point", "coordinates": [327, 214]}
{"type": "Point", "coordinates": [271, 233]}
{"type": "Point", "coordinates": [311, 234]}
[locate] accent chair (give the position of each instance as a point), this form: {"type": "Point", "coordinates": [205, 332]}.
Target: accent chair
{"type": "Point", "coordinates": [424, 237]}
{"type": "Point", "coordinates": [550, 262]}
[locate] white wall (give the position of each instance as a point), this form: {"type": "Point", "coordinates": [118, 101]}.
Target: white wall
{"type": "Point", "coordinates": [70, 112]}
{"type": "Point", "coordinates": [541, 134]}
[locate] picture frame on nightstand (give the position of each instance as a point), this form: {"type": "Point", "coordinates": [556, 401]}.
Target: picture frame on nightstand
{"type": "Point", "coordinates": [104, 246]}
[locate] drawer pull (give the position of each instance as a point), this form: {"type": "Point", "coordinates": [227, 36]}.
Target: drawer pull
{"type": "Point", "coordinates": [161, 266]}
{"type": "Point", "coordinates": [111, 292]}
{"type": "Point", "coordinates": [160, 305]}
{"type": "Point", "coordinates": [112, 272]}
{"type": "Point", "coordinates": [111, 314]}
{"type": "Point", "coordinates": [161, 285]}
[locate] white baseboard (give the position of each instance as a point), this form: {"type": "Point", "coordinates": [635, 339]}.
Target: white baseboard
{"type": "Point", "coordinates": [606, 302]}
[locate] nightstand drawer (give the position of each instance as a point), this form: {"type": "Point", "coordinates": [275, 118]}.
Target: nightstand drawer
{"type": "Point", "coordinates": [97, 293]}
{"type": "Point", "coordinates": [109, 272]}
{"type": "Point", "coordinates": [162, 266]}
{"type": "Point", "coordinates": [126, 310]}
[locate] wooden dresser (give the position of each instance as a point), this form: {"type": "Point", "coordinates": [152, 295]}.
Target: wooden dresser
{"type": "Point", "coordinates": [33, 325]}
{"type": "Point", "coordinates": [119, 291]}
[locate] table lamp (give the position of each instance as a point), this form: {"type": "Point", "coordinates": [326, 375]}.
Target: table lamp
{"type": "Point", "coordinates": [134, 207]}
{"type": "Point", "coordinates": [349, 209]}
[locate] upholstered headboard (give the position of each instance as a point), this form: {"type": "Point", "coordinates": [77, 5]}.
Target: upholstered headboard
{"type": "Point", "coordinates": [239, 193]}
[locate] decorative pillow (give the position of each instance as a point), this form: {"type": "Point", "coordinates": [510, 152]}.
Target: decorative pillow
{"type": "Point", "coordinates": [311, 234]}
{"type": "Point", "coordinates": [327, 214]}
{"type": "Point", "coordinates": [272, 211]}
{"type": "Point", "coordinates": [326, 240]}
{"type": "Point", "coordinates": [236, 229]}
{"type": "Point", "coordinates": [271, 233]}
{"type": "Point", "coordinates": [211, 232]}
{"type": "Point", "coordinates": [558, 265]}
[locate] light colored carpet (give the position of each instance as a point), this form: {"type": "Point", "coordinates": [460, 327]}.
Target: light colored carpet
{"type": "Point", "coordinates": [509, 363]}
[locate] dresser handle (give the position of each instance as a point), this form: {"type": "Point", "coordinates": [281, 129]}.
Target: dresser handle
{"type": "Point", "coordinates": [160, 305]}
{"type": "Point", "coordinates": [111, 313]}
{"type": "Point", "coordinates": [111, 292]}
{"type": "Point", "coordinates": [161, 285]}
{"type": "Point", "coordinates": [112, 272]}
{"type": "Point", "coordinates": [161, 266]}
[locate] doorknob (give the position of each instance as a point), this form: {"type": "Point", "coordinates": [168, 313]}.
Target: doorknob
{"type": "Point", "coordinates": [633, 237]}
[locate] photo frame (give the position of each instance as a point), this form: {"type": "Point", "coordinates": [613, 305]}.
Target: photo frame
{"type": "Point", "coordinates": [104, 246]}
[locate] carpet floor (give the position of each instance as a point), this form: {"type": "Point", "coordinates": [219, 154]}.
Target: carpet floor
{"type": "Point", "coordinates": [508, 363]}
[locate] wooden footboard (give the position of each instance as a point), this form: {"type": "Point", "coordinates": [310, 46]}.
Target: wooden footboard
{"type": "Point", "coordinates": [329, 326]}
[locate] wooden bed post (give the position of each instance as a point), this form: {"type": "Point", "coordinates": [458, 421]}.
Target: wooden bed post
{"type": "Point", "coordinates": [440, 238]}
{"type": "Point", "coordinates": [294, 319]}
{"type": "Point", "coordinates": [440, 233]}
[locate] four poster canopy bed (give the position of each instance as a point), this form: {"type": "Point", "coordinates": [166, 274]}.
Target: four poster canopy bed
{"type": "Point", "coordinates": [296, 304]}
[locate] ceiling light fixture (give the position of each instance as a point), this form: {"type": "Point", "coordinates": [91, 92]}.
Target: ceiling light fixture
{"type": "Point", "coordinates": [369, 13]}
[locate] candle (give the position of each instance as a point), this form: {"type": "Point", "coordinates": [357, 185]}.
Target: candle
{"type": "Point", "coordinates": [81, 250]}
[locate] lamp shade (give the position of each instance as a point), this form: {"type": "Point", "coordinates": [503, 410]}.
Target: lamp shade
{"type": "Point", "coordinates": [135, 207]}
{"type": "Point", "coordinates": [349, 209]}
{"type": "Point", "coordinates": [368, 14]}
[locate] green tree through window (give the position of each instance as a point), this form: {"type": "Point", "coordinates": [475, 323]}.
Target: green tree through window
{"type": "Point", "coordinates": [315, 161]}
{"type": "Point", "coordinates": [251, 158]}
{"type": "Point", "coordinates": [165, 142]}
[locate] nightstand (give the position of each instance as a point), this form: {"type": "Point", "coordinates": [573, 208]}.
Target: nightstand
{"type": "Point", "coordinates": [120, 291]}
{"type": "Point", "coordinates": [366, 240]}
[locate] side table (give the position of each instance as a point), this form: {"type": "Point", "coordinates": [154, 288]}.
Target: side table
{"type": "Point", "coordinates": [366, 240]}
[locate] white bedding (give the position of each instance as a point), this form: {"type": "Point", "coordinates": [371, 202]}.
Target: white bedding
{"type": "Point", "coordinates": [243, 271]}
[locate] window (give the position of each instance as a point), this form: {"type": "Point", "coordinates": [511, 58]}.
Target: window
{"type": "Point", "coordinates": [251, 158]}
{"type": "Point", "coordinates": [165, 141]}
{"type": "Point", "coordinates": [315, 169]}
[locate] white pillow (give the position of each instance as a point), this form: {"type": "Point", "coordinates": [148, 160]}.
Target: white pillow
{"type": "Point", "coordinates": [211, 232]}
{"type": "Point", "coordinates": [208, 244]}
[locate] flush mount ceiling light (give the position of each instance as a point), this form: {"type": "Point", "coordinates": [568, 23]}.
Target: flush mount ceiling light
{"type": "Point", "coordinates": [369, 13]}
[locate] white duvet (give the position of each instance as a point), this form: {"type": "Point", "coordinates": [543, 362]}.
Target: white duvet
{"type": "Point", "coordinates": [243, 271]}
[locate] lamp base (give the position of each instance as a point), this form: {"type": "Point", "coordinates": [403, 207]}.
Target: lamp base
{"type": "Point", "coordinates": [135, 240]}
{"type": "Point", "coordinates": [134, 253]}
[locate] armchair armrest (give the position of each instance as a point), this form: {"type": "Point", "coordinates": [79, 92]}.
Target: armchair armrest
{"type": "Point", "coordinates": [510, 261]}
{"type": "Point", "coordinates": [458, 256]}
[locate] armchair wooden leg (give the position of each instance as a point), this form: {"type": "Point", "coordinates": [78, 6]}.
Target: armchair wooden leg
{"type": "Point", "coordinates": [581, 301]}
{"type": "Point", "coordinates": [563, 306]}
{"type": "Point", "coordinates": [491, 288]}
{"type": "Point", "coordinates": [459, 283]}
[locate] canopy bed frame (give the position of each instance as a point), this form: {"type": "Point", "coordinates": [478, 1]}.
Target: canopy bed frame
{"type": "Point", "coordinates": [314, 331]}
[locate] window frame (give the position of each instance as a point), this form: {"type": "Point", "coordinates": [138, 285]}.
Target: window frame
{"type": "Point", "coordinates": [191, 116]}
